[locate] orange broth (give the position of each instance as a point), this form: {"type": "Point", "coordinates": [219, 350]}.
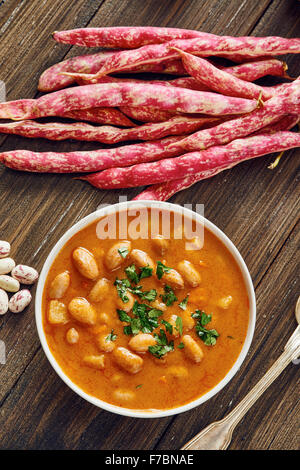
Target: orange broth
{"type": "Point", "coordinates": [153, 387]}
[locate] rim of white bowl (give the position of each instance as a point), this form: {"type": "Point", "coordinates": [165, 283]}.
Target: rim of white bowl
{"type": "Point", "coordinates": [136, 413]}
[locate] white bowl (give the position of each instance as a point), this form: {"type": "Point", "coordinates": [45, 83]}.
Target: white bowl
{"type": "Point", "coordinates": [131, 205]}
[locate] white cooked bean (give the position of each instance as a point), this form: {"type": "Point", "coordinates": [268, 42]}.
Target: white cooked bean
{"type": "Point", "coordinates": [126, 306]}
{"type": "Point", "coordinates": [117, 254]}
{"type": "Point", "coordinates": [160, 243]}
{"type": "Point", "coordinates": [25, 274]}
{"type": "Point", "coordinates": [123, 395]}
{"type": "Point", "coordinates": [6, 265]}
{"type": "Point", "coordinates": [189, 273]}
{"type": "Point", "coordinates": [225, 302]}
{"type": "Point", "coordinates": [173, 278]}
{"type": "Point", "coordinates": [19, 301]}
{"type": "Point", "coordinates": [141, 342]}
{"type": "Point", "coordinates": [82, 311]}
{"type": "Point", "coordinates": [142, 259]}
{"type": "Point", "coordinates": [72, 336]}
{"type": "Point", "coordinates": [104, 343]}
{"type": "Point", "coordinates": [100, 290]}
{"type": "Point", "coordinates": [85, 263]}
{"type": "Point", "coordinates": [96, 362]}
{"type": "Point", "coordinates": [132, 363]}
{"type": "Point", "coordinates": [8, 283]}
{"type": "Point", "coordinates": [59, 285]}
{"type": "Point", "coordinates": [4, 248]}
{"type": "Point", "coordinates": [192, 349]}
{"type": "Point", "coordinates": [3, 302]}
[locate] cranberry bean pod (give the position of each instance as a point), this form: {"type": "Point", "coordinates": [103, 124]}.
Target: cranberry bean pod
{"type": "Point", "coordinates": [247, 47]}
{"type": "Point", "coordinates": [19, 301]}
{"type": "Point", "coordinates": [25, 274]}
{"type": "Point", "coordinates": [194, 162]}
{"type": "Point", "coordinates": [164, 191]}
{"type": "Point", "coordinates": [128, 94]}
{"type": "Point", "coordinates": [87, 161]}
{"type": "Point", "coordinates": [100, 116]}
{"type": "Point", "coordinates": [123, 37]}
{"type": "Point", "coordinates": [177, 125]}
{"type": "Point", "coordinates": [286, 101]}
{"type": "Point", "coordinates": [147, 114]}
{"type": "Point", "coordinates": [220, 80]}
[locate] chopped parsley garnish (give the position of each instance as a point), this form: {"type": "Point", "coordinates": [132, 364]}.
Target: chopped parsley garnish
{"type": "Point", "coordinates": [168, 326]}
{"type": "Point", "coordinates": [209, 337]}
{"type": "Point", "coordinates": [183, 303]}
{"type": "Point", "coordinates": [132, 274]}
{"type": "Point", "coordinates": [162, 347]}
{"type": "Point", "coordinates": [180, 346]}
{"type": "Point", "coordinates": [145, 319]}
{"type": "Point", "coordinates": [111, 336]}
{"type": "Point", "coordinates": [149, 295]}
{"type": "Point", "coordinates": [139, 386]}
{"type": "Point", "coordinates": [169, 297]}
{"type": "Point", "coordinates": [122, 285]}
{"type": "Point", "coordinates": [123, 252]}
{"type": "Point", "coordinates": [146, 271]}
{"type": "Point", "coordinates": [161, 269]}
{"type": "Point", "coordinates": [179, 326]}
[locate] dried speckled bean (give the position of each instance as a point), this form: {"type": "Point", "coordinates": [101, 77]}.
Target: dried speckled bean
{"type": "Point", "coordinates": [25, 274]}
{"type": "Point", "coordinates": [4, 248]}
{"type": "Point", "coordinates": [8, 283]}
{"type": "Point", "coordinates": [3, 302]}
{"type": "Point", "coordinates": [19, 301]}
{"type": "Point", "coordinates": [6, 265]}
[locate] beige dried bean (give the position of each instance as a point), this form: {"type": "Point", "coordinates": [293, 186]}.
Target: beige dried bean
{"type": "Point", "coordinates": [25, 274]}
{"type": "Point", "coordinates": [57, 313]}
{"type": "Point", "coordinates": [85, 263]}
{"type": "Point", "coordinates": [189, 273]}
{"type": "Point", "coordinates": [117, 254]}
{"type": "Point", "coordinates": [192, 349]}
{"type": "Point", "coordinates": [141, 342]}
{"type": "Point", "coordinates": [104, 343]}
{"type": "Point", "coordinates": [127, 360]}
{"type": "Point", "coordinates": [6, 265]}
{"type": "Point", "coordinates": [59, 285]}
{"type": "Point", "coordinates": [72, 336]}
{"type": "Point", "coordinates": [104, 318]}
{"type": "Point", "coordinates": [100, 290]}
{"type": "Point", "coordinates": [123, 395]}
{"type": "Point", "coordinates": [4, 248]}
{"type": "Point", "coordinates": [187, 320]}
{"type": "Point", "coordinates": [142, 259]}
{"type": "Point", "coordinates": [159, 305]}
{"type": "Point", "coordinates": [160, 244]}
{"type": "Point", "coordinates": [8, 283]}
{"type": "Point", "coordinates": [173, 279]}
{"type": "Point", "coordinates": [194, 244]}
{"type": "Point", "coordinates": [96, 362]}
{"type": "Point", "coordinates": [126, 306]}
{"type": "Point", "coordinates": [3, 302]}
{"type": "Point", "coordinates": [82, 311]}
{"type": "Point", "coordinates": [19, 301]}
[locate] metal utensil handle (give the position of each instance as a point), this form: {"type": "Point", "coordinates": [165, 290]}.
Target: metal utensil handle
{"type": "Point", "coordinates": [217, 436]}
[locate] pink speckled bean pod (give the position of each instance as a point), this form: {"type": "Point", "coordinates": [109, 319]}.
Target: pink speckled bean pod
{"type": "Point", "coordinates": [286, 101]}
{"type": "Point", "coordinates": [53, 79]}
{"type": "Point", "coordinates": [220, 80]}
{"type": "Point", "coordinates": [128, 94]}
{"type": "Point", "coordinates": [204, 47]}
{"type": "Point", "coordinates": [195, 162]}
{"type": "Point", "coordinates": [123, 37]}
{"type": "Point", "coordinates": [147, 113]}
{"type": "Point", "coordinates": [87, 161]}
{"type": "Point", "coordinates": [164, 191]}
{"type": "Point", "coordinates": [178, 125]}
{"type": "Point", "coordinates": [100, 116]}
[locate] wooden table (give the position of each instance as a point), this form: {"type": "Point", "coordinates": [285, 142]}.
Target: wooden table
{"type": "Point", "coordinates": [256, 207]}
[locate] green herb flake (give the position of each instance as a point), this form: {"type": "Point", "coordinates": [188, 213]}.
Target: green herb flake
{"type": "Point", "coordinates": [179, 326]}
{"type": "Point", "coordinates": [132, 274]}
{"type": "Point", "coordinates": [111, 336]}
{"type": "Point", "coordinates": [169, 296]}
{"type": "Point", "coordinates": [146, 271]}
{"type": "Point", "coordinates": [183, 303]}
{"type": "Point", "coordinates": [123, 252]}
{"type": "Point", "coordinates": [180, 346]}
{"type": "Point", "coordinates": [209, 337]}
{"type": "Point", "coordinates": [122, 286]}
{"type": "Point", "coordinates": [161, 269]}
{"type": "Point", "coordinates": [139, 386]}
{"type": "Point", "coordinates": [168, 326]}
{"type": "Point", "coordinates": [162, 347]}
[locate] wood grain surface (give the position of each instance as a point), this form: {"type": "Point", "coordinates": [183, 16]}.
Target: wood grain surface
{"type": "Point", "coordinates": [256, 207]}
